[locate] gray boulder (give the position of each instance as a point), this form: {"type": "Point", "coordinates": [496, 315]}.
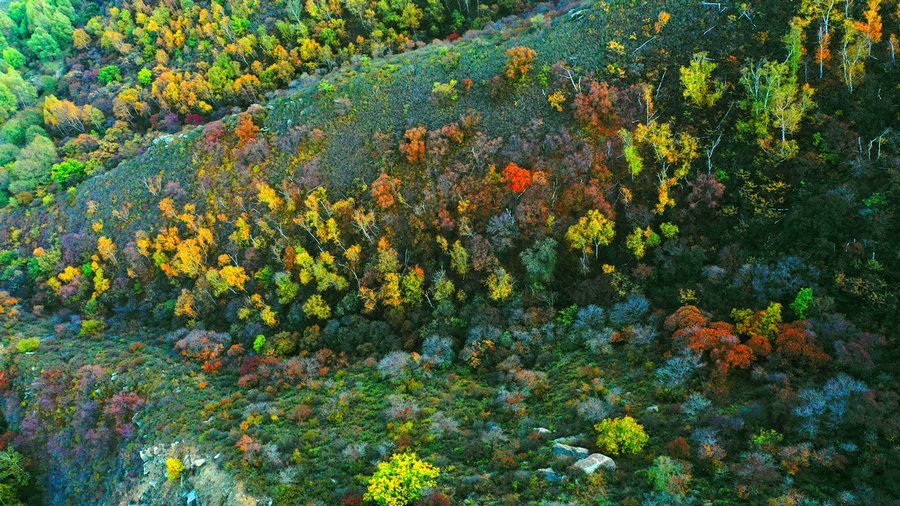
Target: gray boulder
{"type": "Point", "coordinates": [565, 450]}
{"type": "Point", "coordinates": [595, 461]}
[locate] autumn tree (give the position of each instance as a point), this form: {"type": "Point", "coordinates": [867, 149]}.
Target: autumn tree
{"type": "Point", "coordinates": [384, 190]}
{"type": "Point", "coordinates": [589, 233]}
{"type": "Point", "coordinates": [517, 178]}
{"type": "Point", "coordinates": [776, 99]}
{"type": "Point", "coordinates": [700, 88]}
{"type": "Point", "coordinates": [413, 144]}
{"type": "Point", "coordinates": [856, 48]}
{"type": "Point", "coordinates": [519, 60]}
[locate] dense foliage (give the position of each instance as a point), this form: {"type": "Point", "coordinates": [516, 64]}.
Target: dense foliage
{"type": "Point", "coordinates": [249, 248]}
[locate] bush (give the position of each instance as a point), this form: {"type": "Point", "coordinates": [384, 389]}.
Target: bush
{"type": "Point", "coordinates": [669, 475]}
{"type": "Point", "coordinates": [29, 344]}
{"type": "Point", "coordinates": [92, 328]}
{"type": "Point", "coordinates": [174, 468]}
{"type": "Point", "coordinates": [621, 435]}
{"type": "Point", "coordinates": [401, 480]}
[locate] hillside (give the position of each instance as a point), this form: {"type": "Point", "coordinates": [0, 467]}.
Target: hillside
{"type": "Point", "coordinates": [620, 252]}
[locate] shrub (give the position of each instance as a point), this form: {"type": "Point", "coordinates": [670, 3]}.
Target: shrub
{"type": "Point", "coordinates": [28, 344]}
{"type": "Point", "coordinates": [669, 475]}
{"type": "Point", "coordinates": [401, 480]}
{"type": "Point", "coordinates": [174, 468]}
{"type": "Point", "coordinates": [92, 328]}
{"type": "Point", "coordinates": [519, 61]}
{"type": "Point", "coordinates": [445, 93]}
{"type": "Point", "coordinates": [621, 435]}
{"type": "Point", "coordinates": [593, 409]}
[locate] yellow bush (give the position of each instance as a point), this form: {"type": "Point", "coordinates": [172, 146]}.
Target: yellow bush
{"type": "Point", "coordinates": [401, 480]}
{"type": "Point", "coordinates": [174, 468]}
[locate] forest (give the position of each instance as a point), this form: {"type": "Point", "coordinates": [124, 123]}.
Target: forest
{"type": "Point", "coordinates": [444, 252]}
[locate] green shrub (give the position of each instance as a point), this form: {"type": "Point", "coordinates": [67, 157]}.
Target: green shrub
{"type": "Point", "coordinates": [28, 344]}
{"type": "Point", "coordinates": [92, 328]}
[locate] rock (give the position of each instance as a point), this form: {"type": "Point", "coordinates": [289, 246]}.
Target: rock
{"type": "Point", "coordinates": [570, 451]}
{"type": "Point", "coordinates": [198, 462]}
{"type": "Point", "coordinates": [567, 439]}
{"type": "Point", "coordinates": [550, 474]}
{"type": "Point", "coordinates": [541, 430]}
{"type": "Point", "coordinates": [653, 409]}
{"type": "Point", "coordinates": [595, 461]}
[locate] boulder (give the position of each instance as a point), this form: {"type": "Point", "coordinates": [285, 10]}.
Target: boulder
{"type": "Point", "coordinates": [595, 461]}
{"type": "Point", "coordinates": [541, 430]}
{"type": "Point", "coordinates": [550, 474]}
{"type": "Point", "coordinates": [570, 451]}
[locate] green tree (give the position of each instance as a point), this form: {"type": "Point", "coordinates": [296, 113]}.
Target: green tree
{"type": "Point", "coordinates": [109, 74]}
{"type": "Point", "coordinates": [67, 169]}
{"type": "Point", "coordinates": [802, 303]}
{"type": "Point", "coordinates": [13, 477]}
{"type": "Point", "coordinates": [540, 261]}
{"type": "Point", "coordinates": [33, 166]}
{"type": "Point", "coordinates": [14, 58]}
{"type": "Point", "coordinates": [145, 77]}
{"type": "Point", "coordinates": [699, 86]}
{"type": "Point", "coordinates": [44, 45]}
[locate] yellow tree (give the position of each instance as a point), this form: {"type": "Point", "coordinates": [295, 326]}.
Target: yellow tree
{"type": "Point", "coordinates": [589, 233]}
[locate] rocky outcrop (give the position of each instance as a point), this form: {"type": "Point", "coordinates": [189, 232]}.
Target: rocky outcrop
{"type": "Point", "coordinates": [202, 483]}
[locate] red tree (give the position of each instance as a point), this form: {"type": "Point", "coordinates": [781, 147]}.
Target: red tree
{"type": "Point", "coordinates": [519, 179]}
